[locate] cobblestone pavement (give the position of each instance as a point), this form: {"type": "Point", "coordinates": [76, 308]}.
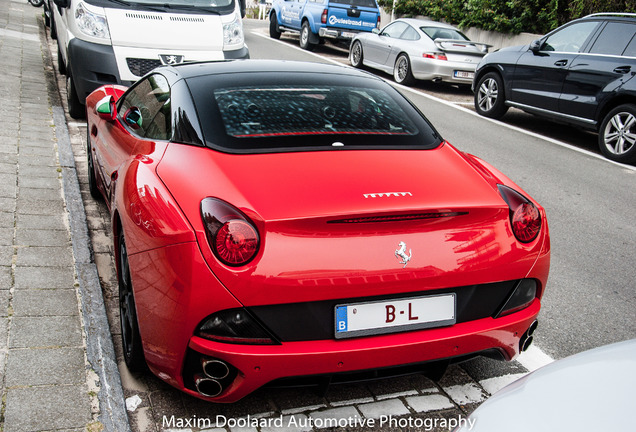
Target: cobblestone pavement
{"type": "Point", "coordinates": [406, 403]}
{"type": "Point", "coordinates": [49, 378]}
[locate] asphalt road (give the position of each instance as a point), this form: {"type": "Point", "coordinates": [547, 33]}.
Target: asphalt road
{"type": "Point", "coordinates": [590, 300]}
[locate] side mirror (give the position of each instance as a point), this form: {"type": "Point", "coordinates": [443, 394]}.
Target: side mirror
{"type": "Point", "coordinates": [133, 118]}
{"type": "Point", "coordinates": [535, 46]}
{"type": "Point", "coordinates": [106, 108]}
{"type": "Point", "coordinates": [62, 3]}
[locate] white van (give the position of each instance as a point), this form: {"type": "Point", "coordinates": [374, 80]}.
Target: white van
{"type": "Point", "coordinates": [118, 41]}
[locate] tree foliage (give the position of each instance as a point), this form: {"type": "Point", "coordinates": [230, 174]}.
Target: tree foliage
{"type": "Point", "coordinates": [507, 16]}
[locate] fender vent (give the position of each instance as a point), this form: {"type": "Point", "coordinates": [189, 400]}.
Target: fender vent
{"type": "Point", "coordinates": [144, 16]}
{"type": "Point", "coordinates": [187, 19]}
{"type": "Point", "coordinates": [397, 218]}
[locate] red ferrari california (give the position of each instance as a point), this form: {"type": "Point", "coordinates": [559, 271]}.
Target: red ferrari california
{"type": "Point", "coordinates": [279, 222]}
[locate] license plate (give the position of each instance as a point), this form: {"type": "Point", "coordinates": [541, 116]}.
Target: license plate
{"type": "Point", "coordinates": [347, 35]}
{"type": "Point", "coordinates": [464, 74]}
{"type": "Point", "coordinates": [392, 316]}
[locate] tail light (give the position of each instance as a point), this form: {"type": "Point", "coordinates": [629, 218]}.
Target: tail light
{"type": "Point", "coordinates": [435, 56]}
{"type": "Point", "coordinates": [377, 25]}
{"type": "Point", "coordinates": [524, 215]}
{"type": "Point", "coordinates": [323, 17]}
{"type": "Point", "coordinates": [232, 237]}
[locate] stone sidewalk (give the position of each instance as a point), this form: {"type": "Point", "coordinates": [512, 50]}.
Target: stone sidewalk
{"type": "Point", "coordinates": [57, 363]}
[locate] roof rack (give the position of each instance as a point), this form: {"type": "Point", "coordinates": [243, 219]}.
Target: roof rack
{"type": "Point", "coordinates": [612, 14]}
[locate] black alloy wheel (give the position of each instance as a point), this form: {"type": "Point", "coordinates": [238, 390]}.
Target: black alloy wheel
{"type": "Point", "coordinates": [130, 335]}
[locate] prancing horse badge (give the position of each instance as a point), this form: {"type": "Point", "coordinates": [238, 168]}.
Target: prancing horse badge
{"type": "Point", "coordinates": [400, 253]}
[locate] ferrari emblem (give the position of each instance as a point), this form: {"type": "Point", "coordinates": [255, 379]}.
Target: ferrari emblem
{"type": "Point", "coordinates": [400, 253]}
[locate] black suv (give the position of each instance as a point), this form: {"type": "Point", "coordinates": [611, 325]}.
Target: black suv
{"type": "Point", "coordinates": [581, 74]}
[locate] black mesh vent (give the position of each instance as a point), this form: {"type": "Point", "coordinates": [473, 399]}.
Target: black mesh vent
{"type": "Point", "coordinates": [141, 67]}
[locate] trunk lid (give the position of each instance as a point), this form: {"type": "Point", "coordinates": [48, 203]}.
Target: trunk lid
{"type": "Point", "coordinates": [339, 224]}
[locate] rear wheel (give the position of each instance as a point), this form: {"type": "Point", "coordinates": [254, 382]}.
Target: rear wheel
{"type": "Point", "coordinates": [356, 57]}
{"type": "Point", "coordinates": [274, 32]}
{"type": "Point", "coordinates": [305, 37]}
{"type": "Point", "coordinates": [490, 97]}
{"type": "Point", "coordinates": [130, 335]}
{"type": "Point", "coordinates": [402, 70]}
{"type": "Point", "coordinates": [617, 135]}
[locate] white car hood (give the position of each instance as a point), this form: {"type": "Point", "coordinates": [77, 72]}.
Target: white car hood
{"type": "Point", "coordinates": [174, 31]}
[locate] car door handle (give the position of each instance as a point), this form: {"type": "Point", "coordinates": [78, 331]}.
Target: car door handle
{"type": "Point", "coordinates": [561, 62]}
{"type": "Point", "coordinates": [623, 69]}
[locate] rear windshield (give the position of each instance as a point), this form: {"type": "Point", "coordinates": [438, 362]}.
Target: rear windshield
{"type": "Point", "coordinates": [443, 33]}
{"type": "Point", "coordinates": [275, 117]}
{"type": "Point", "coordinates": [359, 3]}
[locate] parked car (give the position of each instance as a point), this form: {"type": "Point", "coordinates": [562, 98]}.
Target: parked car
{"type": "Point", "coordinates": [337, 20]}
{"type": "Point", "coordinates": [411, 49]}
{"type": "Point", "coordinates": [586, 392]}
{"type": "Point", "coordinates": [579, 74]}
{"type": "Point", "coordinates": [117, 42]}
{"type": "Point", "coordinates": [279, 221]}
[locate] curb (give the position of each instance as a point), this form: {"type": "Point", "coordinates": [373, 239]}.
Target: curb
{"type": "Point", "coordinates": [100, 351]}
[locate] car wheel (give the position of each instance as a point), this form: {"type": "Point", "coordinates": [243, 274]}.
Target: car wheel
{"type": "Point", "coordinates": [92, 179]}
{"type": "Point", "coordinates": [617, 135]}
{"type": "Point", "coordinates": [490, 96]}
{"type": "Point", "coordinates": [402, 70]}
{"type": "Point", "coordinates": [75, 107]}
{"type": "Point", "coordinates": [53, 28]}
{"type": "Point", "coordinates": [61, 67]}
{"type": "Point", "coordinates": [305, 35]}
{"type": "Point", "coordinates": [356, 57]}
{"type": "Point", "coordinates": [274, 32]}
{"type": "Point", "coordinates": [130, 335]}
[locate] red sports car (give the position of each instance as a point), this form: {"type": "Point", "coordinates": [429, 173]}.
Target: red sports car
{"type": "Point", "coordinates": [281, 221]}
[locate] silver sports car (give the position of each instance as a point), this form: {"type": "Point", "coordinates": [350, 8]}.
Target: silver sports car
{"type": "Point", "coordinates": [418, 49]}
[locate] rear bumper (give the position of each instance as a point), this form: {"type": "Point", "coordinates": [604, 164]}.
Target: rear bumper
{"type": "Point", "coordinates": [260, 365]}
{"type": "Point", "coordinates": [443, 70]}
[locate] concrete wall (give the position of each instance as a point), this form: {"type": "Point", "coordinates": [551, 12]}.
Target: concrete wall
{"type": "Point", "coordinates": [497, 40]}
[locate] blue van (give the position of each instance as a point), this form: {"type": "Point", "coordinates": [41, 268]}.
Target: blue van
{"type": "Point", "coordinates": [317, 20]}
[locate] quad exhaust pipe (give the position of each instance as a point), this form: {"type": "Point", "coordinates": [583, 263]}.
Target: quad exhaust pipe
{"type": "Point", "coordinates": [526, 339]}
{"type": "Point", "coordinates": [208, 383]}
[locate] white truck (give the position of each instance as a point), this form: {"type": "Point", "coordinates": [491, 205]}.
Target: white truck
{"type": "Point", "coordinates": [118, 41]}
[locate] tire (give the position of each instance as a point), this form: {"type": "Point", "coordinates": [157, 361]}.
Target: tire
{"type": "Point", "coordinates": [53, 27]}
{"type": "Point", "coordinates": [356, 56]}
{"type": "Point", "coordinates": [402, 70]}
{"type": "Point", "coordinates": [92, 179]}
{"type": "Point", "coordinates": [130, 335]}
{"type": "Point", "coordinates": [61, 67]}
{"type": "Point", "coordinates": [490, 99]}
{"type": "Point", "coordinates": [76, 108]}
{"type": "Point", "coordinates": [274, 32]}
{"type": "Point", "coordinates": [305, 37]}
{"type": "Point", "coordinates": [617, 134]}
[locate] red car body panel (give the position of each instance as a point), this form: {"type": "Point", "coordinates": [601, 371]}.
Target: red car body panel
{"type": "Point", "coordinates": [315, 244]}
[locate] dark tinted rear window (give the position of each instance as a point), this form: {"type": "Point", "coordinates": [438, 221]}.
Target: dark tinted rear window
{"type": "Point", "coordinates": [359, 3]}
{"type": "Point", "coordinates": [239, 115]}
{"type": "Point", "coordinates": [614, 38]}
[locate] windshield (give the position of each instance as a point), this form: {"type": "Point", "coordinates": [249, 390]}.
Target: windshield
{"type": "Point", "coordinates": [188, 6]}
{"type": "Point", "coordinates": [275, 117]}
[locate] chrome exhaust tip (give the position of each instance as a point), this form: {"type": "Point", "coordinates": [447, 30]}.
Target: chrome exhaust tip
{"type": "Point", "coordinates": [527, 339]}
{"type": "Point", "coordinates": [215, 369]}
{"type": "Point", "coordinates": [207, 387]}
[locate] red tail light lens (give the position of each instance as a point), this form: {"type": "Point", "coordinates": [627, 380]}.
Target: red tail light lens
{"type": "Point", "coordinates": [377, 25]}
{"type": "Point", "coordinates": [435, 56]}
{"type": "Point", "coordinates": [232, 237]}
{"type": "Point", "coordinates": [323, 17]}
{"type": "Point", "coordinates": [524, 215]}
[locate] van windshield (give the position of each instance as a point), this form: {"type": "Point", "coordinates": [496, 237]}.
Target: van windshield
{"type": "Point", "coordinates": [188, 6]}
